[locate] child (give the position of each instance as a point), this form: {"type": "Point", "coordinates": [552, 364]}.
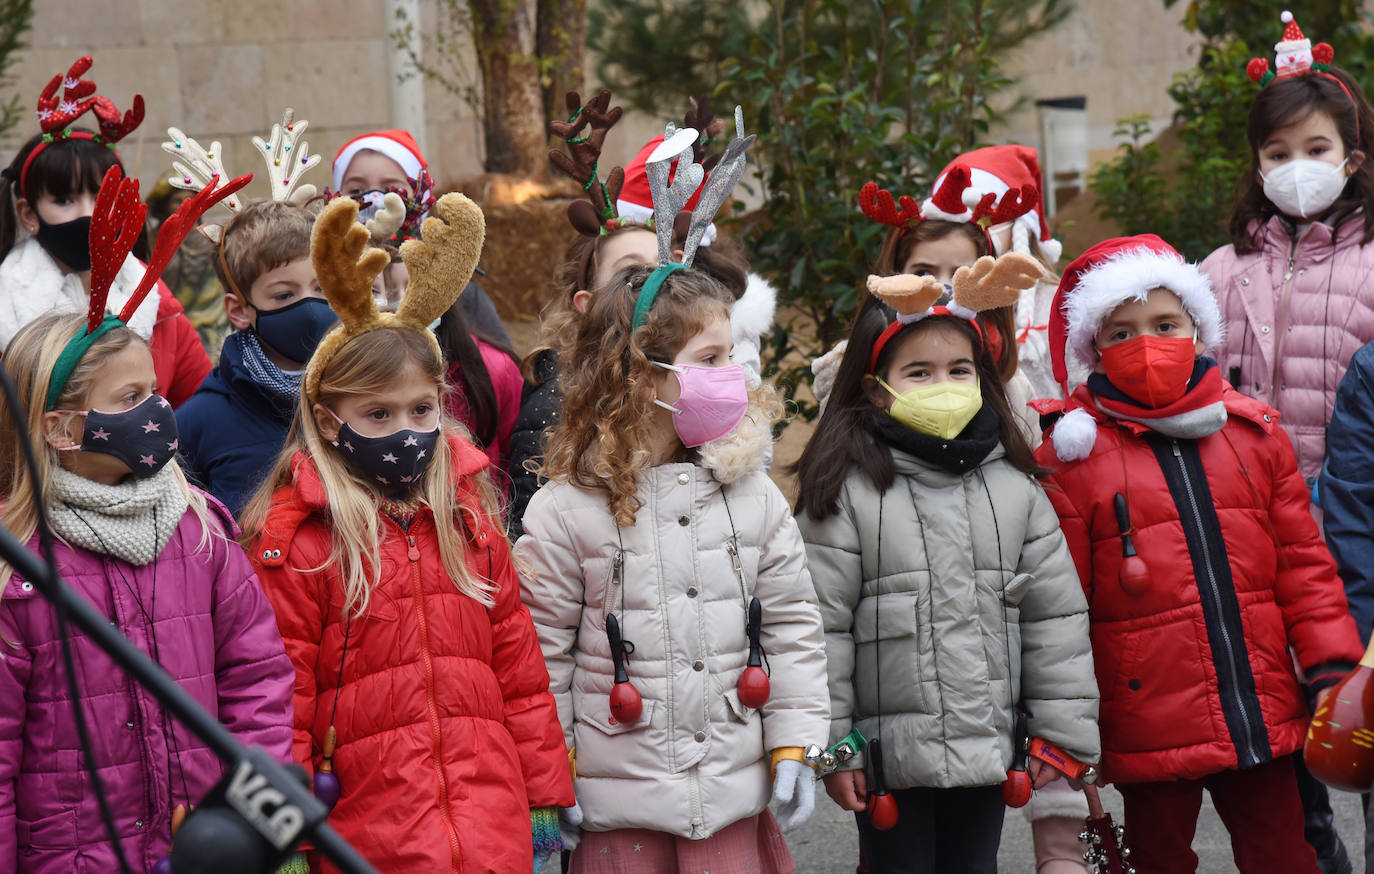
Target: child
{"type": "Point", "coordinates": [981, 615]}
{"type": "Point", "coordinates": [279, 315]}
{"type": "Point", "coordinates": [1347, 487]}
{"type": "Point", "coordinates": [659, 524]}
{"type": "Point", "coordinates": [419, 682]}
{"type": "Point", "coordinates": [369, 166]}
{"type": "Point", "coordinates": [49, 190]}
{"type": "Point", "coordinates": [1294, 285]}
{"type": "Point", "coordinates": [1159, 456]}
{"type": "Point", "coordinates": [159, 559]}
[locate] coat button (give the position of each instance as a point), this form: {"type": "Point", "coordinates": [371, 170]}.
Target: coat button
{"type": "Point", "coordinates": [684, 521]}
{"type": "Point", "coordinates": [691, 591]}
{"type": "Point", "coordinates": [683, 479]}
{"type": "Point", "coordinates": [698, 665]}
{"type": "Point", "coordinates": [1245, 280]}
{"type": "Point", "coordinates": [138, 824]}
{"type": "Point", "coordinates": [26, 586]}
{"type": "Point", "coordinates": [700, 737]}
{"type": "Point", "coordinates": [128, 725]}
{"type": "Point", "coordinates": [1134, 684]}
{"type": "Point", "coordinates": [1268, 418]}
{"type": "Point", "coordinates": [1264, 329]}
{"type": "Point", "coordinates": [266, 554]}
{"type": "Point", "coordinates": [276, 553]}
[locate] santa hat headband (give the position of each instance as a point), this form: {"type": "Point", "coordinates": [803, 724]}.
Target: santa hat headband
{"type": "Point", "coordinates": [1294, 56]}
{"type": "Point", "coordinates": [68, 97]}
{"type": "Point", "coordinates": [1116, 271]}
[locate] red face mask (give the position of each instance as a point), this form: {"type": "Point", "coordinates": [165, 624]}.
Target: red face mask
{"type": "Point", "coordinates": [1153, 370]}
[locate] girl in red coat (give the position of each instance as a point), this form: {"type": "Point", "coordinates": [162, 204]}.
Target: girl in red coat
{"type": "Point", "coordinates": [419, 681]}
{"type": "Point", "coordinates": [1182, 503]}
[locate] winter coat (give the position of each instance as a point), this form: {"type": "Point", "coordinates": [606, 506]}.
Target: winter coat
{"type": "Point", "coordinates": [232, 431]}
{"type": "Point", "coordinates": [508, 385]}
{"type": "Point", "coordinates": [1294, 313]}
{"type": "Point", "coordinates": [212, 630]}
{"type": "Point", "coordinates": [979, 610]}
{"type": "Point", "coordinates": [179, 358]}
{"type": "Point", "coordinates": [1347, 487]}
{"type": "Point", "coordinates": [447, 735]}
{"type": "Point", "coordinates": [698, 759]}
{"type": "Point", "coordinates": [1195, 672]}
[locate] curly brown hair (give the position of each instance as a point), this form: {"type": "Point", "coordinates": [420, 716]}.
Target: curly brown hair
{"type": "Point", "coordinates": [605, 429]}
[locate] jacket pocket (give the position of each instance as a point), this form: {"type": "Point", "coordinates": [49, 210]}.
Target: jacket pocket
{"type": "Point", "coordinates": [892, 639]}
{"type": "Point", "coordinates": [738, 710]}
{"type": "Point", "coordinates": [605, 722]}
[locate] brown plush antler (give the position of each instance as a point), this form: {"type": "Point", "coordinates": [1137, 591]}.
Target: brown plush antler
{"type": "Point", "coordinates": [441, 262]}
{"type": "Point", "coordinates": [597, 117]}
{"type": "Point", "coordinates": [700, 118]}
{"type": "Point", "coordinates": [876, 204]}
{"type": "Point", "coordinates": [906, 293]}
{"type": "Point", "coordinates": [995, 282]}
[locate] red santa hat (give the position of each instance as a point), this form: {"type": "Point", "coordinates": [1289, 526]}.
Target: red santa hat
{"type": "Point", "coordinates": [398, 145]}
{"type": "Point", "coordinates": [636, 204]}
{"type": "Point", "coordinates": [1011, 175]}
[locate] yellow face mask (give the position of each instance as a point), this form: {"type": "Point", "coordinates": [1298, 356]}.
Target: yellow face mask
{"type": "Point", "coordinates": [941, 410]}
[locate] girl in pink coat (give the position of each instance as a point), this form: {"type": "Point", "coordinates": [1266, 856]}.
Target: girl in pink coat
{"type": "Point", "coordinates": [1296, 285]}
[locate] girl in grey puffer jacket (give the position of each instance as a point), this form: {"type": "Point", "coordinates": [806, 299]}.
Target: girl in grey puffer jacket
{"type": "Point", "coordinates": [948, 594]}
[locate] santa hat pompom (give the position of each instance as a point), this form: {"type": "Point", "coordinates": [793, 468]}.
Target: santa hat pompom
{"type": "Point", "coordinates": [1285, 16]}
{"type": "Point", "coordinates": [1052, 249]}
{"type": "Point", "coordinates": [1074, 435]}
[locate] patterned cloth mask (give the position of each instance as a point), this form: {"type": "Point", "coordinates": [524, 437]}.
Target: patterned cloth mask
{"type": "Point", "coordinates": [395, 461]}
{"type": "Point", "coordinates": [144, 436]}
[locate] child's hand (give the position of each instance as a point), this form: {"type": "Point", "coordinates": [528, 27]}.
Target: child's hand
{"type": "Point", "coordinates": [848, 789]}
{"type": "Point", "coordinates": [1042, 773]}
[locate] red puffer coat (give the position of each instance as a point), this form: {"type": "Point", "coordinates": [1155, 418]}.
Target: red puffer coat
{"type": "Point", "coordinates": [1195, 673]}
{"type": "Point", "coordinates": [447, 733]}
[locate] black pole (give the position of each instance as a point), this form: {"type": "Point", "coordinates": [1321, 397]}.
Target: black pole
{"type": "Point", "coordinates": [183, 707]}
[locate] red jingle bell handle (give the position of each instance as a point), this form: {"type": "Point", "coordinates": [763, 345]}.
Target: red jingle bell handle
{"type": "Point", "coordinates": [882, 807]}
{"type": "Point", "coordinates": [1135, 574]}
{"type": "Point", "coordinates": [626, 703]}
{"type": "Point", "coordinates": [754, 686]}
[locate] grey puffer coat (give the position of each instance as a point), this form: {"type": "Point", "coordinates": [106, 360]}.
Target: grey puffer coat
{"type": "Point", "coordinates": [980, 607]}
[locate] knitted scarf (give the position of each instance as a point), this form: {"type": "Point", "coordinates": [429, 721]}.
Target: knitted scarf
{"type": "Point", "coordinates": [285, 387]}
{"type": "Point", "coordinates": [958, 456]}
{"type": "Point", "coordinates": [131, 521]}
{"type": "Point", "coordinates": [1199, 413]}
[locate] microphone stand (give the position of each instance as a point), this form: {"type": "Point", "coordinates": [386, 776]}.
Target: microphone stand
{"type": "Point", "coordinates": [263, 793]}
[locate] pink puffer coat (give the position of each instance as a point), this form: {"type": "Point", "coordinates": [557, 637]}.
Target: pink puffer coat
{"type": "Point", "coordinates": [216, 635]}
{"type": "Point", "coordinates": [1295, 312]}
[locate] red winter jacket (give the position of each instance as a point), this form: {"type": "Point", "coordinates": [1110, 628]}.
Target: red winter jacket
{"type": "Point", "coordinates": [179, 358]}
{"type": "Point", "coordinates": [1195, 672]}
{"type": "Point", "coordinates": [447, 733]}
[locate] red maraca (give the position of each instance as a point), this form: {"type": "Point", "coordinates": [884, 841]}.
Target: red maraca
{"type": "Point", "coordinates": [882, 807]}
{"type": "Point", "coordinates": [626, 703]}
{"type": "Point", "coordinates": [1016, 789]}
{"type": "Point", "coordinates": [753, 683]}
{"type": "Point", "coordinates": [1135, 574]}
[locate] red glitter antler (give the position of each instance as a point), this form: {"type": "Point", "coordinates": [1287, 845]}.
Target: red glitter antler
{"type": "Point", "coordinates": [113, 127]}
{"type": "Point", "coordinates": [54, 112]}
{"type": "Point", "coordinates": [1015, 203]}
{"type": "Point", "coordinates": [877, 204]}
{"type": "Point", "coordinates": [115, 226]}
{"type": "Point", "coordinates": [174, 230]}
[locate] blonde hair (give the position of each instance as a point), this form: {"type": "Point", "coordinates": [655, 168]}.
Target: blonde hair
{"type": "Point", "coordinates": [605, 427]}
{"type": "Point", "coordinates": [30, 359]}
{"type": "Point", "coordinates": [367, 364]}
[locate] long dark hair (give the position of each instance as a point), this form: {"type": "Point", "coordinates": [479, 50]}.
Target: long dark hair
{"type": "Point", "coordinates": [455, 335]}
{"type": "Point", "coordinates": [1290, 101]}
{"type": "Point", "coordinates": [64, 168]}
{"type": "Point", "coordinates": [844, 439]}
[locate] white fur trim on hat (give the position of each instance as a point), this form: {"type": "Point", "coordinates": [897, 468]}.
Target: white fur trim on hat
{"type": "Point", "coordinates": [630, 211]}
{"type": "Point", "coordinates": [1074, 435]}
{"type": "Point", "coordinates": [1130, 275]}
{"type": "Point", "coordinates": [409, 161]}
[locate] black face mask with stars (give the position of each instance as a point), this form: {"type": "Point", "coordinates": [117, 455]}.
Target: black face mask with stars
{"type": "Point", "coordinates": [144, 436]}
{"type": "Point", "coordinates": [395, 461]}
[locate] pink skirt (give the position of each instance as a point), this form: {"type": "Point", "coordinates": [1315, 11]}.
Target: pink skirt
{"type": "Point", "coordinates": [750, 846]}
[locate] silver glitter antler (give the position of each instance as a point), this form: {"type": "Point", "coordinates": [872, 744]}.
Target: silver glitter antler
{"type": "Point", "coordinates": [718, 189]}
{"type": "Point", "coordinates": [670, 198]}
{"type": "Point", "coordinates": [288, 158]}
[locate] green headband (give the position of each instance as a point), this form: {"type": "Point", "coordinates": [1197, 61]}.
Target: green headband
{"type": "Point", "coordinates": [71, 356]}
{"type": "Point", "coordinates": [649, 292]}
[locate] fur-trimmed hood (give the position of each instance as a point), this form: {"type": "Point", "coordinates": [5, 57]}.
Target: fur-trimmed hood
{"type": "Point", "coordinates": [743, 451]}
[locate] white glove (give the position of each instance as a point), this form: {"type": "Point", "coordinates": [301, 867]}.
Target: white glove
{"type": "Point", "coordinates": [824, 370]}
{"type": "Point", "coordinates": [794, 793]}
{"type": "Point", "coordinates": [569, 825]}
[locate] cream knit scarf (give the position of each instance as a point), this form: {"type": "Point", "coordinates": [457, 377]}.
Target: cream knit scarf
{"type": "Point", "coordinates": [131, 521]}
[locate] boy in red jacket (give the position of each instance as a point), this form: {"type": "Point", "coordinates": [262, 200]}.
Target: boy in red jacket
{"type": "Point", "coordinates": [1157, 455]}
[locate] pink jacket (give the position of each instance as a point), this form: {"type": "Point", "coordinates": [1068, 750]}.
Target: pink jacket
{"type": "Point", "coordinates": [1295, 312]}
{"type": "Point", "coordinates": [509, 385]}
{"type": "Point", "coordinates": [217, 636]}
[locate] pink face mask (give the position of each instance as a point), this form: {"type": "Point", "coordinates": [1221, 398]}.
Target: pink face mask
{"type": "Point", "coordinates": [713, 401]}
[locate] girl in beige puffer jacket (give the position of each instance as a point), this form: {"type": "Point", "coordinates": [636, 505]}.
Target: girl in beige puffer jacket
{"type": "Point", "coordinates": [656, 535]}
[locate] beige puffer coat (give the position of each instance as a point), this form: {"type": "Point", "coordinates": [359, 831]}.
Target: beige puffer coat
{"type": "Point", "coordinates": [980, 607]}
{"type": "Point", "coordinates": [697, 760]}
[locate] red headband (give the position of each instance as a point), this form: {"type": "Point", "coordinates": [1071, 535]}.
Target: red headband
{"type": "Point", "coordinates": [897, 325]}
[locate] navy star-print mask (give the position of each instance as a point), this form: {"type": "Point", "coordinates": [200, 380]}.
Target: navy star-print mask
{"type": "Point", "coordinates": [144, 436]}
{"type": "Point", "coordinates": [395, 461]}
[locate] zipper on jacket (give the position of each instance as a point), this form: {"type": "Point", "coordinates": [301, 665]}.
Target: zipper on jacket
{"type": "Point", "coordinates": [422, 623]}
{"type": "Point", "coordinates": [1248, 754]}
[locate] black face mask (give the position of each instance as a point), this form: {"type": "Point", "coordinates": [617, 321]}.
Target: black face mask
{"type": "Point", "coordinates": [68, 242]}
{"type": "Point", "coordinates": [395, 461]}
{"type": "Point", "coordinates": [144, 437]}
{"type": "Point", "coordinates": [296, 329]}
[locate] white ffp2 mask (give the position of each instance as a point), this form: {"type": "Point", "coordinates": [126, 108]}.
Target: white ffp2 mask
{"type": "Point", "coordinates": [1302, 187]}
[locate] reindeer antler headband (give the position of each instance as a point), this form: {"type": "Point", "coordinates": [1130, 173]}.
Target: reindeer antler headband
{"type": "Point", "coordinates": [670, 197]}
{"type": "Point", "coordinates": [988, 284]}
{"type": "Point", "coordinates": [115, 225]}
{"type": "Point", "coordinates": [440, 265]}
{"type": "Point", "coordinates": [57, 112]}
{"type": "Point", "coordinates": [954, 200]}
{"type": "Point", "coordinates": [597, 214]}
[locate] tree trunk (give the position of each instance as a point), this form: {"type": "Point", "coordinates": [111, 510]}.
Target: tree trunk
{"type": "Point", "coordinates": [562, 42]}
{"type": "Point", "coordinates": [514, 122]}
